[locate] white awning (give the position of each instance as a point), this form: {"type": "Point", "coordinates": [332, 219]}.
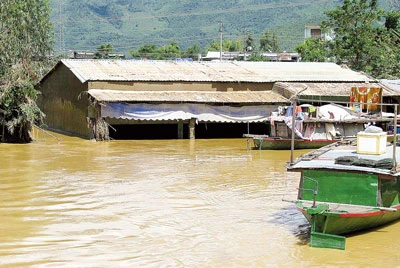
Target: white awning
{"type": "Point", "coordinates": [186, 111]}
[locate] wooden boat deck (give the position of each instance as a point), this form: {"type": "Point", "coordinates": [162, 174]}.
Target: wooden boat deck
{"type": "Point", "coordinates": [324, 158]}
{"type": "Point", "coordinates": [348, 208]}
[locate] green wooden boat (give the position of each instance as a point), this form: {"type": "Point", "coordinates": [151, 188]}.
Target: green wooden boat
{"type": "Point", "coordinates": [262, 142]}
{"type": "Point", "coordinates": [342, 190]}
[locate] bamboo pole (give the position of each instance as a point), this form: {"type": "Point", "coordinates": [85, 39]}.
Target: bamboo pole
{"type": "Point", "coordinates": [394, 168]}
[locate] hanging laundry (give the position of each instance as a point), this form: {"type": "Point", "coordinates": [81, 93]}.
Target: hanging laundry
{"type": "Point", "coordinates": [289, 111]}
{"type": "Point", "coordinates": [298, 110]}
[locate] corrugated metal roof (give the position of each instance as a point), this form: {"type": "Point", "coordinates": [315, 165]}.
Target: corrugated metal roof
{"type": "Point", "coordinates": [188, 96]}
{"type": "Point", "coordinates": [226, 71]}
{"type": "Point", "coordinates": [393, 85]}
{"type": "Point", "coordinates": [327, 89]}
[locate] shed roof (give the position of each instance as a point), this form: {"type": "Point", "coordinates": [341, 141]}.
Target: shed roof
{"type": "Point", "coordinates": [327, 89]}
{"type": "Point", "coordinates": [392, 84]}
{"type": "Point", "coordinates": [225, 71]}
{"type": "Point", "coordinates": [188, 96]}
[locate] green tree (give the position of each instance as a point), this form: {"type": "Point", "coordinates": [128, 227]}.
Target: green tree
{"type": "Point", "coordinates": [169, 51]}
{"type": "Point", "coordinates": [227, 45]}
{"type": "Point", "coordinates": [257, 57]}
{"type": "Point", "coordinates": [354, 26]}
{"type": "Point", "coordinates": [314, 50]}
{"type": "Point", "coordinates": [213, 46]}
{"type": "Point", "coordinates": [392, 20]}
{"type": "Point", "coordinates": [192, 51]}
{"type": "Point", "coordinates": [104, 51]}
{"type": "Point", "coordinates": [384, 56]}
{"type": "Point", "coordinates": [164, 52]}
{"type": "Point", "coordinates": [365, 37]}
{"type": "Point", "coordinates": [269, 42]}
{"type": "Point", "coordinates": [250, 45]}
{"type": "Point", "coordinates": [231, 46]}
{"type": "Point", "coordinates": [26, 42]}
{"type": "Point", "coordinates": [145, 51]}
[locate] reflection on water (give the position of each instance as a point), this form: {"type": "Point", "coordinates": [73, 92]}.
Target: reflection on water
{"type": "Point", "coordinates": [170, 203]}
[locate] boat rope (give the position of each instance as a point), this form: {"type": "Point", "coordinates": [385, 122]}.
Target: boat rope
{"type": "Point", "coordinates": [46, 132]}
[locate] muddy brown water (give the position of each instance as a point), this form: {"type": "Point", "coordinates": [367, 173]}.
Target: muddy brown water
{"type": "Point", "coordinates": [69, 202]}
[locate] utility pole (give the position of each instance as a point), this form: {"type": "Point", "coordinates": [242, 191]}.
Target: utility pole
{"type": "Point", "coordinates": [220, 40]}
{"type": "Point", "coordinates": [61, 45]}
{"type": "Point", "coordinates": [245, 45]}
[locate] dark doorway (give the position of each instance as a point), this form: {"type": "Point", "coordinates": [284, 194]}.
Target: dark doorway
{"type": "Point", "coordinates": [146, 132]}
{"type": "Point", "coordinates": [229, 130]}
{"type": "Point", "coordinates": [202, 131]}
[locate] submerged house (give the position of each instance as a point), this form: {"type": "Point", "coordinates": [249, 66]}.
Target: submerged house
{"type": "Point", "coordinates": [131, 99]}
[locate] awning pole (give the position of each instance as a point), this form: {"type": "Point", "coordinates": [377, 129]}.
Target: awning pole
{"type": "Point", "coordinates": [293, 127]}
{"type": "Point", "coordinates": [192, 123]}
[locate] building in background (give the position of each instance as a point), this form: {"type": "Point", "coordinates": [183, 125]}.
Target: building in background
{"type": "Point", "coordinates": [315, 31]}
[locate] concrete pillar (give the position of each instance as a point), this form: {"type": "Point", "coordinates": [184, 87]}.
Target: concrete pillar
{"type": "Point", "coordinates": [180, 129]}
{"type": "Point", "coordinates": [192, 124]}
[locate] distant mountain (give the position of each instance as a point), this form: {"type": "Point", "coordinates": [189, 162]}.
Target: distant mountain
{"type": "Point", "coordinates": [82, 25]}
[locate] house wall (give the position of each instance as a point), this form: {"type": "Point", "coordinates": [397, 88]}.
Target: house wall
{"type": "Point", "coordinates": [65, 111]}
{"type": "Point", "coordinates": [316, 32]}
{"type": "Point", "coordinates": [180, 86]}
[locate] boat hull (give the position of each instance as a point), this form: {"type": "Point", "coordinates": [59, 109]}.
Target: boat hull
{"type": "Point", "coordinates": [269, 143]}
{"type": "Point", "coordinates": [339, 223]}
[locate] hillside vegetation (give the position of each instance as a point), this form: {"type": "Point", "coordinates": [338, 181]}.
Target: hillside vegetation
{"type": "Point", "coordinates": [130, 24]}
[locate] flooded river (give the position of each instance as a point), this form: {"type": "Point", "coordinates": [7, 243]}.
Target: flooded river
{"type": "Point", "coordinates": [69, 202]}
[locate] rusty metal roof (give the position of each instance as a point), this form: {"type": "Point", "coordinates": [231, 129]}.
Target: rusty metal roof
{"type": "Point", "coordinates": [188, 96]}
{"type": "Point", "coordinates": [225, 71]}
{"type": "Point", "coordinates": [392, 85]}
{"type": "Point", "coordinates": [326, 89]}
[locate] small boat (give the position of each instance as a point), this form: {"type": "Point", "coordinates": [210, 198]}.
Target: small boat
{"type": "Point", "coordinates": [314, 127]}
{"type": "Point", "coordinates": [348, 186]}
{"type": "Point", "coordinates": [264, 142]}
